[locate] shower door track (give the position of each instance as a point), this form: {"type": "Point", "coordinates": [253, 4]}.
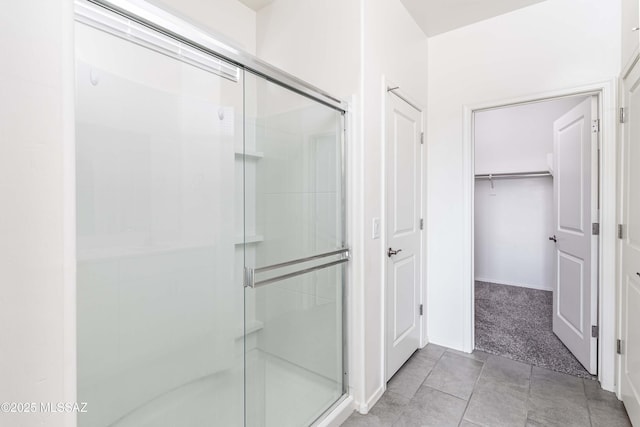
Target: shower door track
{"type": "Point", "coordinates": [165, 23]}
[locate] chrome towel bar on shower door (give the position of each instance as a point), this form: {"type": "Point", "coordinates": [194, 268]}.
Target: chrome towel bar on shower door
{"type": "Point", "coordinates": [249, 273]}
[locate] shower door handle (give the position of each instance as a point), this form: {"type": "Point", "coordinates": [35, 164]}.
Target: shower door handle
{"type": "Point", "coordinates": [249, 277]}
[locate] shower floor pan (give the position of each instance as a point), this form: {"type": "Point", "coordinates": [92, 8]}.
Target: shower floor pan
{"type": "Point", "coordinates": [278, 394]}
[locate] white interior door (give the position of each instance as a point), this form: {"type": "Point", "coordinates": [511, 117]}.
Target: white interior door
{"type": "Point", "coordinates": [575, 209]}
{"type": "Point", "coordinates": [402, 252]}
{"type": "Point", "coordinates": [630, 249]}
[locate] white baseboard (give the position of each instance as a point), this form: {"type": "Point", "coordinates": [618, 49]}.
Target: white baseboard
{"type": "Point", "coordinates": [366, 407]}
{"type": "Point", "coordinates": [339, 415]}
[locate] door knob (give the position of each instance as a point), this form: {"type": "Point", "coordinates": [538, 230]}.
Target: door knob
{"type": "Point", "coordinates": [553, 238]}
{"type": "Point", "coordinates": [391, 252]}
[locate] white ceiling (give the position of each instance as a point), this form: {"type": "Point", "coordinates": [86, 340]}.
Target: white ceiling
{"type": "Point", "coordinates": [439, 16]}
{"type": "Point", "coordinates": [256, 4]}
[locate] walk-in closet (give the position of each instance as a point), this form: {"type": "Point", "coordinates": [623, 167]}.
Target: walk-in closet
{"type": "Point", "coordinates": [535, 246]}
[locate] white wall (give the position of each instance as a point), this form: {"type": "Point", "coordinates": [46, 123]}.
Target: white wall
{"type": "Point", "coordinates": [345, 48]}
{"type": "Point", "coordinates": [318, 42]}
{"type": "Point", "coordinates": [553, 45]}
{"type": "Point", "coordinates": [512, 224]}
{"type": "Point", "coordinates": [230, 20]}
{"type": "Point", "coordinates": [517, 139]}
{"type": "Point", "coordinates": [36, 127]}
{"type": "Point", "coordinates": [513, 220]}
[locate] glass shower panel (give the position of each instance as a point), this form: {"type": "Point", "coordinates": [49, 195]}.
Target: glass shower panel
{"type": "Point", "coordinates": [294, 210]}
{"type": "Point", "coordinates": [159, 230]}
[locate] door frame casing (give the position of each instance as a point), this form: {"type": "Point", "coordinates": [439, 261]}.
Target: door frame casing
{"type": "Point", "coordinates": [607, 319]}
{"type": "Point", "coordinates": [386, 83]}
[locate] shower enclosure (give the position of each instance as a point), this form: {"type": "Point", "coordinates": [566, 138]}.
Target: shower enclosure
{"type": "Point", "coordinates": [211, 248]}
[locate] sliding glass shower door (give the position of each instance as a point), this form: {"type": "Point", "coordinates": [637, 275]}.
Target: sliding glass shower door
{"type": "Point", "coordinates": [295, 256]}
{"type": "Point", "coordinates": [211, 248]}
{"type": "Point", "coordinates": [159, 305]}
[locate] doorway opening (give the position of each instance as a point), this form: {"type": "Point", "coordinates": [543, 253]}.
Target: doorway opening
{"type": "Point", "coordinates": [536, 243]}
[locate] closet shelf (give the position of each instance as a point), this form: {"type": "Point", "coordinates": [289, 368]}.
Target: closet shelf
{"type": "Point", "coordinates": [250, 154]}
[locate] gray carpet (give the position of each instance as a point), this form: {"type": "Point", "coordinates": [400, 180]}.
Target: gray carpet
{"type": "Point", "coordinates": [516, 323]}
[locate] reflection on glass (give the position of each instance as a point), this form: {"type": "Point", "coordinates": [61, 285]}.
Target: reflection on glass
{"type": "Point", "coordinates": [159, 309]}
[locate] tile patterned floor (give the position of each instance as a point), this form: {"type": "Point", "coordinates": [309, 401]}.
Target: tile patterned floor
{"type": "Point", "coordinates": [441, 387]}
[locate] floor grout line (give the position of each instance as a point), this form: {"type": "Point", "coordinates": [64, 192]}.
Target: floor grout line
{"type": "Point", "coordinates": [421, 384]}
{"type": "Point", "coordinates": [430, 371]}
{"type": "Point", "coordinates": [526, 415]}
{"type": "Point", "coordinates": [472, 391]}
{"type": "Point", "coordinates": [584, 390]}
{"type": "Point", "coordinates": [444, 392]}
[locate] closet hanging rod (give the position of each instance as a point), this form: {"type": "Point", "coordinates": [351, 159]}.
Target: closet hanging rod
{"type": "Point", "coordinates": [514, 175]}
